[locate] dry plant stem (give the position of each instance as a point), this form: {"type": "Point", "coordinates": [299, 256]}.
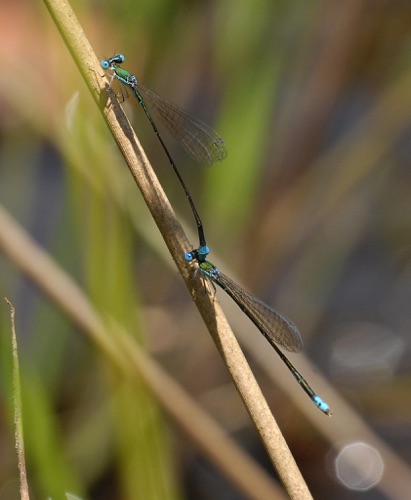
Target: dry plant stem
{"type": "Point", "coordinates": [177, 243]}
{"type": "Point", "coordinates": [125, 354]}
{"type": "Point", "coordinates": [18, 411]}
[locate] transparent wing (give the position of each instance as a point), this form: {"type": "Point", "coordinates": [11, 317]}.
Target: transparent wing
{"type": "Point", "coordinates": [200, 141]}
{"type": "Point", "coordinates": [275, 327]}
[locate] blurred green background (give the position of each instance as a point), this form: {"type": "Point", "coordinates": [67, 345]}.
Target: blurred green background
{"type": "Point", "coordinates": [310, 211]}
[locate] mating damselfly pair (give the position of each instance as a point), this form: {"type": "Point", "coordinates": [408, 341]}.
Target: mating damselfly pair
{"type": "Point", "coordinates": [206, 146]}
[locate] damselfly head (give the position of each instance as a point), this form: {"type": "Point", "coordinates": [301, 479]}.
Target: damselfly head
{"type": "Point", "coordinates": [117, 59]}
{"type": "Point", "coordinates": [108, 63]}
{"type": "Point", "coordinates": [190, 256]}
{"type": "Point", "coordinates": [105, 64]}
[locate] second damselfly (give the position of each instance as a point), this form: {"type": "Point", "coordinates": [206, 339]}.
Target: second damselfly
{"type": "Point", "coordinates": [275, 327]}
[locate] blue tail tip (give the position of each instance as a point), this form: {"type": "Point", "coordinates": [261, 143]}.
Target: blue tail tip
{"type": "Point", "coordinates": [322, 405]}
{"type": "Point", "coordinates": [203, 250]}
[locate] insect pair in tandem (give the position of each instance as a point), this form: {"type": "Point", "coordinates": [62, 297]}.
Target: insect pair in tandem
{"type": "Point", "coordinates": [207, 147]}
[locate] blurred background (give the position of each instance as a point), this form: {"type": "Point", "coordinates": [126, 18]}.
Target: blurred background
{"type": "Point", "coordinates": [310, 211]}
